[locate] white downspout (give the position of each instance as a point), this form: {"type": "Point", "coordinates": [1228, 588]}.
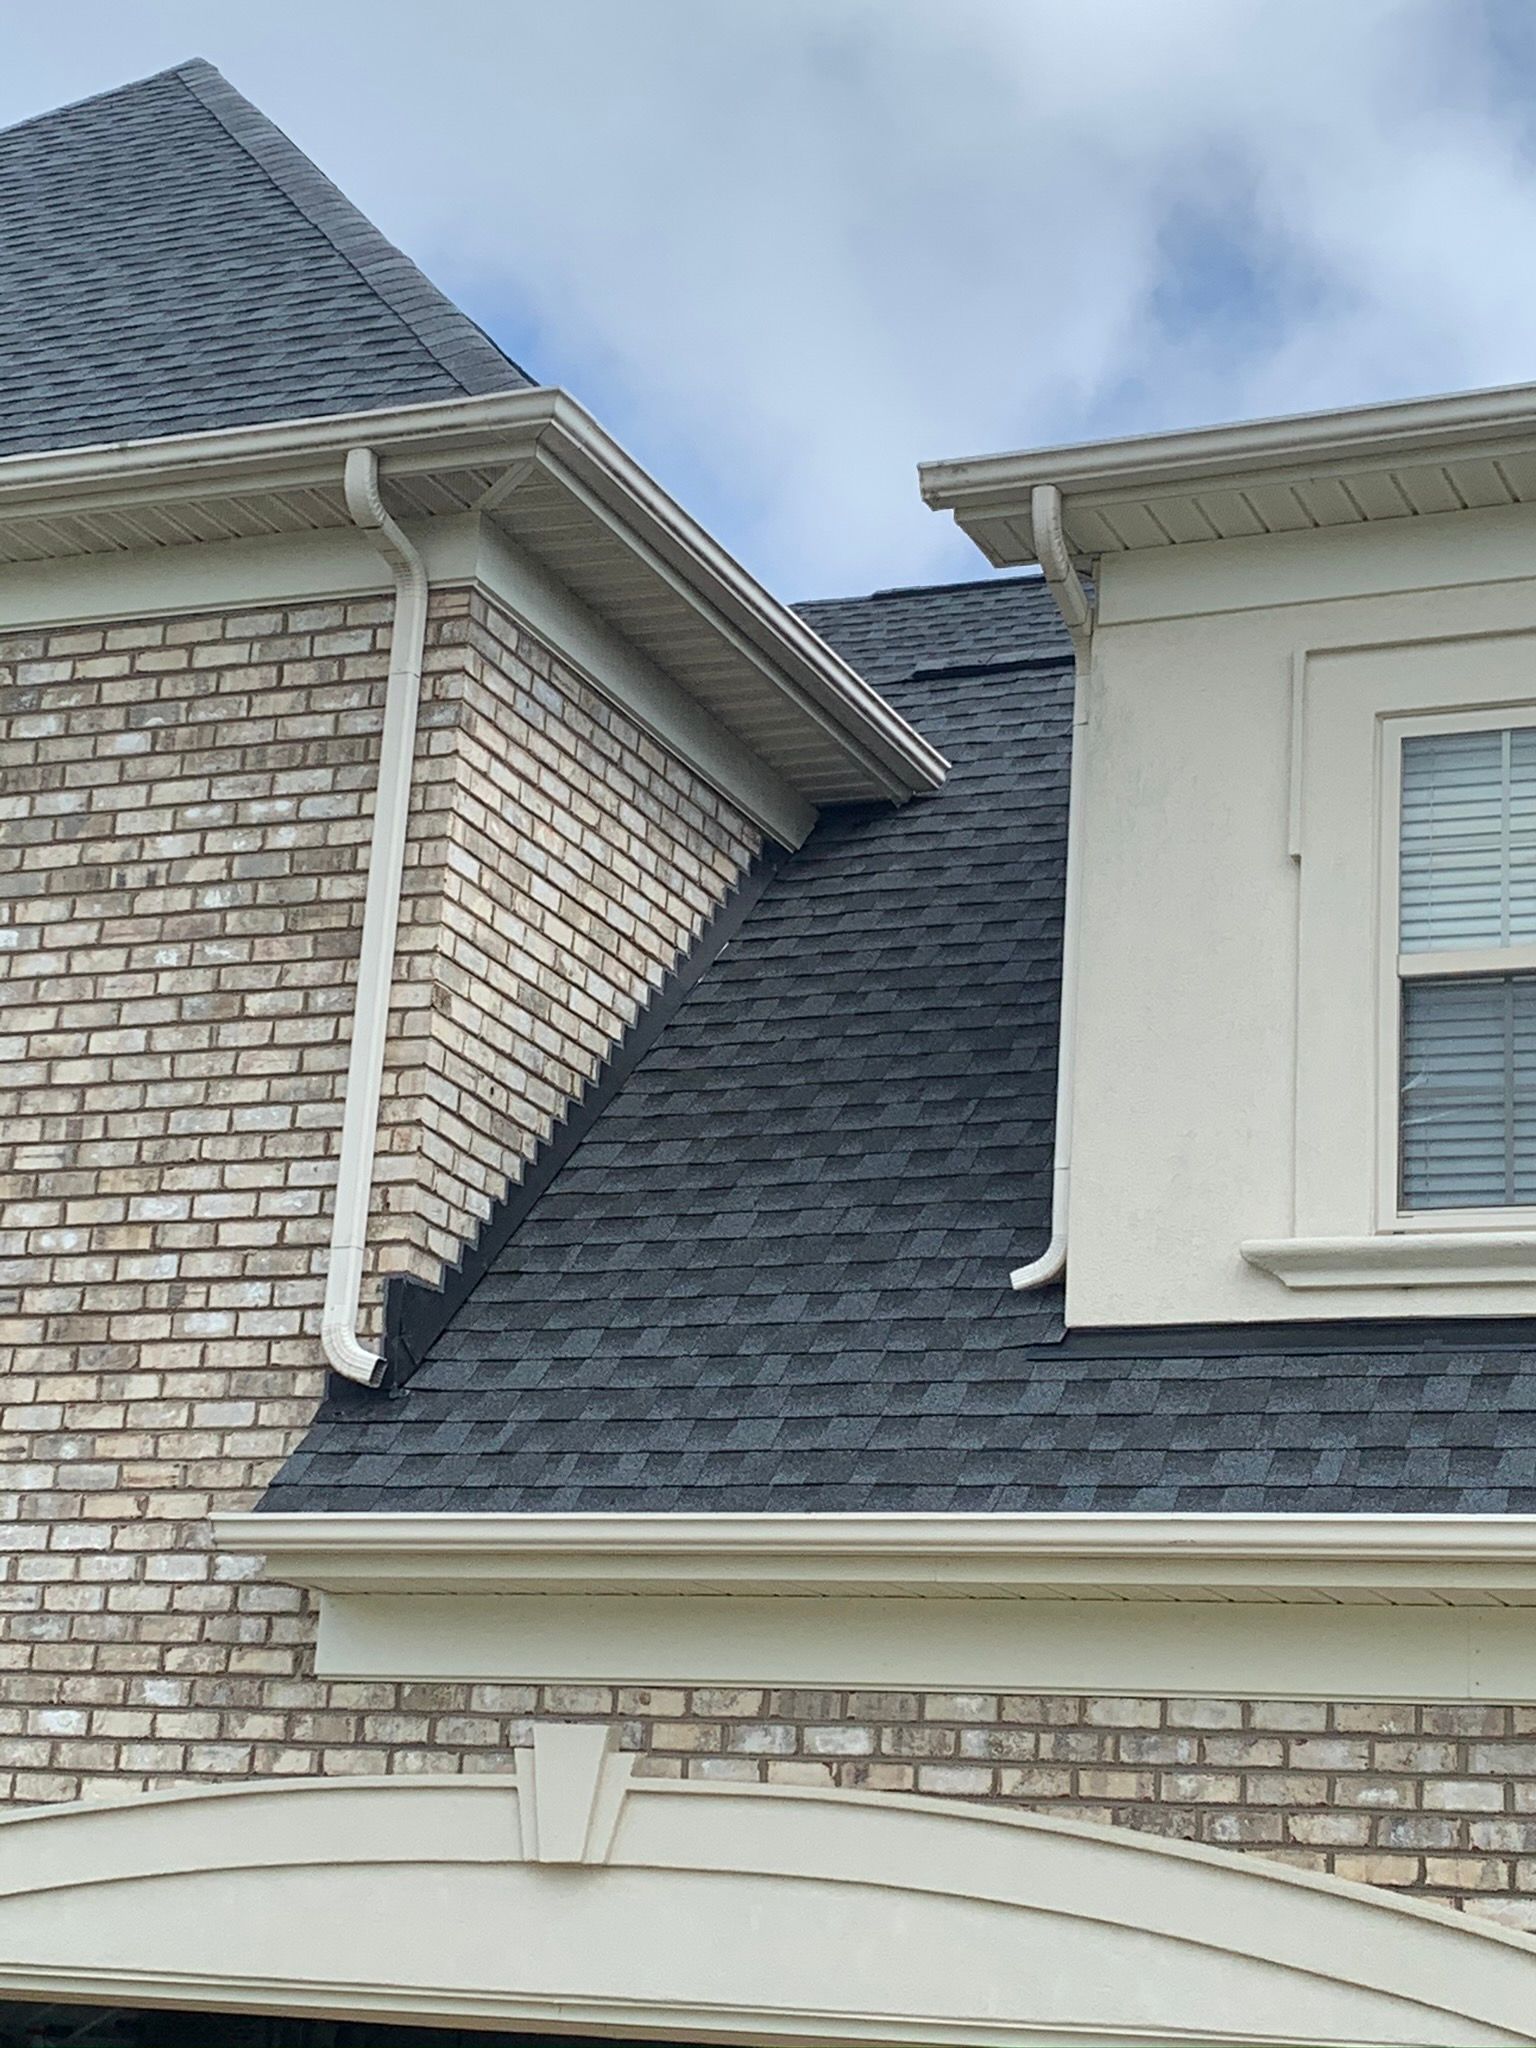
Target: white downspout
{"type": "Point", "coordinates": [1076, 609]}
{"type": "Point", "coordinates": [381, 916]}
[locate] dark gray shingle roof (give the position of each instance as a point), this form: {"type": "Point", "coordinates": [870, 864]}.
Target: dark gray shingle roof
{"type": "Point", "coordinates": [169, 261]}
{"type": "Point", "coordinates": [774, 1277]}
{"type": "Point", "coordinates": [899, 636]}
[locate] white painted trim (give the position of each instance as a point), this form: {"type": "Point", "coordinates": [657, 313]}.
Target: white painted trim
{"type": "Point", "coordinates": [788, 1915]}
{"type": "Point", "coordinates": [1488, 550]}
{"type": "Point", "coordinates": [1398, 1258]}
{"type": "Point", "coordinates": [1245, 452]}
{"type": "Point", "coordinates": [1349, 1648]}
{"type": "Point", "coordinates": [227, 575]}
{"type": "Point", "coordinates": [935, 1556]}
{"type": "Point", "coordinates": [459, 549]}
{"type": "Point", "coordinates": [617, 669]}
{"type": "Point", "coordinates": [1395, 968]}
{"type": "Point", "coordinates": [501, 431]}
{"type": "Point", "coordinates": [1345, 1230]}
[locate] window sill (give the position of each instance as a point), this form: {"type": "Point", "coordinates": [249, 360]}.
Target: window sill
{"type": "Point", "coordinates": [1460, 1258]}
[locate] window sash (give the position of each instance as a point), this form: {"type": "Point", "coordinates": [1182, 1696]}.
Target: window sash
{"type": "Point", "coordinates": [1466, 961]}
{"type": "Point", "coordinates": [1468, 1093]}
{"type": "Point", "coordinates": [1467, 833]}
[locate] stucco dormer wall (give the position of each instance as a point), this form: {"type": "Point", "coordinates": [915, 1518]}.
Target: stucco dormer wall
{"type": "Point", "coordinates": [1234, 1084]}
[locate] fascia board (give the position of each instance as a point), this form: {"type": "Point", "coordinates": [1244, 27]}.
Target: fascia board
{"type": "Point", "coordinates": [1147, 1646]}
{"type": "Point", "coordinates": [1466, 423]}
{"type": "Point", "coordinates": [617, 670]}
{"type": "Point", "coordinates": [538, 424]}
{"type": "Point", "coordinates": [291, 452]}
{"type": "Point", "coordinates": [582, 447]}
{"type": "Point", "coordinates": [933, 1556]}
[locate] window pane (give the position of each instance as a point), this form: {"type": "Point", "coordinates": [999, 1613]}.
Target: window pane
{"type": "Point", "coordinates": [1469, 1093]}
{"type": "Point", "coordinates": [1468, 874]}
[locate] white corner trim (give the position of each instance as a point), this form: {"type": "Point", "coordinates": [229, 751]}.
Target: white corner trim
{"type": "Point", "coordinates": [902, 1556]}
{"type": "Point", "coordinates": [1463, 1258]}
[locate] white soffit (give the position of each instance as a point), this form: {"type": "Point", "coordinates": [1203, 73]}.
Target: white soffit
{"type": "Point", "coordinates": [1302, 473]}
{"type": "Point", "coordinates": [542, 469]}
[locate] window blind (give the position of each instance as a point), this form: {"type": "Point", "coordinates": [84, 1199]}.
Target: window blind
{"type": "Point", "coordinates": [1469, 1092]}
{"type": "Point", "coordinates": [1468, 864]}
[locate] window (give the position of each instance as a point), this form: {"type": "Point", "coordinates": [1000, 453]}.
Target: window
{"type": "Point", "coordinates": [1467, 969]}
{"type": "Point", "coordinates": [1413, 827]}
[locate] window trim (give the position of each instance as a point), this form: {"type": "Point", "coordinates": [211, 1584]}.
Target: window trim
{"type": "Point", "coordinates": [1394, 967]}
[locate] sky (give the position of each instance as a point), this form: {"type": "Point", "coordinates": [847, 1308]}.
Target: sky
{"type": "Point", "coordinates": [787, 249]}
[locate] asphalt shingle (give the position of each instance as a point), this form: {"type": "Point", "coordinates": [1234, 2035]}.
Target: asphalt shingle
{"type": "Point", "coordinates": [775, 1275]}
{"type": "Point", "coordinates": [170, 262]}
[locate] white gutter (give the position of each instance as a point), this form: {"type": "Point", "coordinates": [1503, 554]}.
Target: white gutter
{"type": "Point", "coordinates": [540, 426]}
{"type": "Point", "coordinates": [1076, 609]}
{"type": "Point", "coordinates": [381, 916]}
{"type": "Point", "coordinates": [943, 1555]}
{"type": "Point", "coordinates": [1463, 424]}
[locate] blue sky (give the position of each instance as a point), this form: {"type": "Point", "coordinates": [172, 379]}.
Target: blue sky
{"type": "Point", "coordinates": [785, 249]}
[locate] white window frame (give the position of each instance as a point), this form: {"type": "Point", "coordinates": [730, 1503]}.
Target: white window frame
{"type": "Point", "coordinates": [1395, 967]}
{"type": "Point", "coordinates": [1352, 705]}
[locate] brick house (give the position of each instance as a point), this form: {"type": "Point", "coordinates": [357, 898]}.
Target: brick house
{"type": "Point", "coordinates": [532, 1504]}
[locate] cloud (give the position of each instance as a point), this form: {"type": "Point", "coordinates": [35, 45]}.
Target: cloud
{"type": "Point", "coordinates": [787, 248]}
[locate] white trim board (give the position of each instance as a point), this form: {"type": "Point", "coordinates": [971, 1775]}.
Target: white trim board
{"type": "Point", "coordinates": [1321, 1606]}
{"type": "Point", "coordinates": [1332, 470]}
{"type": "Point", "coordinates": [535, 458]}
{"type": "Point", "coordinates": [955, 1556]}
{"type": "Point", "coordinates": [626, 677]}
{"type": "Point", "coordinates": [460, 548]}
{"type": "Point", "coordinates": [224, 575]}
{"type": "Point", "coordinates": [1173, 1649]}
{"type": "Point", "coordinates": [572, 1893]}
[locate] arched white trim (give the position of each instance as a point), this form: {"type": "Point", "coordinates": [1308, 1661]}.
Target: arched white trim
{"type": "Point", "coordinates": [574, 1897]}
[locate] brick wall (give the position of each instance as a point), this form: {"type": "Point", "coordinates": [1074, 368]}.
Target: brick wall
{"type": "Point", "coordinates": [184, 814]}
{"type": "Point", "coordinates": [183, 825]}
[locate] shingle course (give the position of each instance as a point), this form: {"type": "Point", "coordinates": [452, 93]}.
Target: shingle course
{"type": "Point", "coordinates": [170, 262]}
{"type": "Point", "coordinates": [774, 1277]}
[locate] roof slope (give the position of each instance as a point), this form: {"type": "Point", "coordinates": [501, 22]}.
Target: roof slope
{"type": "Point", "coordinates": [774, 1276]}
{"type": "Point", "coordinates": [169, 261]}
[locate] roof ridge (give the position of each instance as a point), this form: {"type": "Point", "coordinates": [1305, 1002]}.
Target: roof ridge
{"type": "Point", "coordinates": [454, 341]}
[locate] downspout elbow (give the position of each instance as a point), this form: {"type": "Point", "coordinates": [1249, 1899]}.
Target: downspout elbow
{"type": "Point", "coordinates": [344, 1351]}
{"type": "Point", "coordinates": [1052, 1262]}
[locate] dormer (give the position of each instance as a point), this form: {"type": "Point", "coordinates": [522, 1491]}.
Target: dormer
{"type": "Point", "coordinates": [1299, 1050]}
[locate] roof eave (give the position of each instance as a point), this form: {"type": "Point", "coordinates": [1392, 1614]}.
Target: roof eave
{"type": "Point", "coordinates": [934, 1555]}
{"type": "Point", "coordinates": [985, 491]}
{"type": "Point", "coordinates": [496, 432]}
